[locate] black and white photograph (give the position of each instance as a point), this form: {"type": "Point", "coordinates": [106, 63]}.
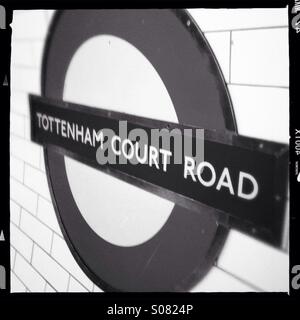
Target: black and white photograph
{"type": "Point", "coordinates": [151, 150]}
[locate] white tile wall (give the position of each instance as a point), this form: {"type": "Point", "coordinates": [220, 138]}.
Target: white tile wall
{"type": "Point", "coordinates": [42, 161]}
{"type": "Point", "coordinates": [267, 108]}
{"type": "Point", "coordinates": [33, 281]}
{"type": "Point", "coordinates": [252, 50]}
{"type": "Point", "coordinates": [232, 19]}
{"type": "Point", "coordinates": [16, 284]}
{"type": "Point", "coordinates": [49, 14]}
{"type": "Point", "coordinates": [23, 196]}
{"type": "Point", "coordinates": [48, 288]}
{"type": "Point", "coordinates": [258, 59]}
{"type": "Point", "coordinates": [17, 125]}
{"type": "Point", "coordinates": [50, 269]}
{"type": "Point", "coordinates": [26, 80]}
{"type": "Point", "coordinates": [75, 286]}
{"type": "Point", "coordinates": [27, 130]}
{"type": "Point", "coordinates": [29, 25]}
{"type": "Point", "coordinates": [260, 265]}
{"type": "Point", "coordinates": [12, 257]}
{"type": "Point", "coordinates": [16, 168]}
{"type": "Point", "coordinates": [22, 54]}
{"type": "Point", "coordinates": [36, 230]}
{"type": "Point", "coordinates": [19, 101]}
{"type": "Point", "coordinates": [21, 242]}
{"type": "Point", "coordinates": [223, 281]}
{"type": "Point", "coordinates": [15, 212]}
{"type": "Point", "coordinates": [37, 181]}
{"type": "Point", "coordinates": [220, 44]}
{"type": "Point", "coordinates": [46, 214]}
{"type": "Point", "coordinates": [25, 150]}
{"type": "Point", "coordinates": [61, 253]}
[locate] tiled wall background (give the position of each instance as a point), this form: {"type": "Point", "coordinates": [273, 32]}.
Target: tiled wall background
{"type": "Point", "coordinates": [252, 49]}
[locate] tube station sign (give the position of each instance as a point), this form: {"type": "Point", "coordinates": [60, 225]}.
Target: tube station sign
{"type": "Point", "coordinates": [244, 179]}
{"type": "Point", "coordinates": [146, 205]}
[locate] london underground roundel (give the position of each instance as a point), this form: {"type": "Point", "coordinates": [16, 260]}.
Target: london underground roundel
{"type": "Point", "coordinates": [149, 63]}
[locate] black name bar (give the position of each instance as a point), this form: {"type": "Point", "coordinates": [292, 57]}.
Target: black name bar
{"type": "Point", "coordinates": [243, 179]}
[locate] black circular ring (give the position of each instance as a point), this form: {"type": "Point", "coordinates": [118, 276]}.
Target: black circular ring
{"type": "Point", "coordinates": [182, 252]}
